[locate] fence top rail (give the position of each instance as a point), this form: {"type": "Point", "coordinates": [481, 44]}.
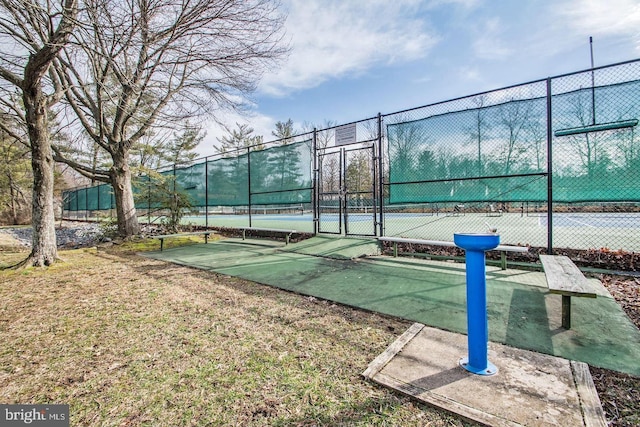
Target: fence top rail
{"type": "Point", "coordinates": [512, 86]}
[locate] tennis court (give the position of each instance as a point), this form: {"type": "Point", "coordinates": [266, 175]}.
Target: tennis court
{"type": "Point", "coordinates": [591, 230]}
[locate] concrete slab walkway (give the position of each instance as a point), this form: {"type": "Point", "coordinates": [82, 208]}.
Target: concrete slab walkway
{"type": "Point", "coordinates": [530, 389]}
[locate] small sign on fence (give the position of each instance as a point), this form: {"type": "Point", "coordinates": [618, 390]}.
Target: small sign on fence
{"type": "Point", "coordinates": [346, 134]}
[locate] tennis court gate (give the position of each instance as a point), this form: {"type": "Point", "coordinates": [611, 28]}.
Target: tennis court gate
{"type": "Point", "coordinates": [347, 185]}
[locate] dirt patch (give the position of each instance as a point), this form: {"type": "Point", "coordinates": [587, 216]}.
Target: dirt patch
{"type": "Point", "coordinates": [620, 393]}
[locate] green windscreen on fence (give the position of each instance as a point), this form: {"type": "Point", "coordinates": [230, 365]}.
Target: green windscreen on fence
{"type": "Point", "coordinates": [486, 148]}
{"type": "Point", "coordinates": [470, 155]}
{"type": "Point", "coordinates": [98, 197]}
{"type": "Point", "coordinates": [602, 166]}
{"type": "Point", "coordinates": [281, 175]}
{"type": "Point", "coordinates": [191, 181]}
{"type": "Point", "coordinates": [228, 181]}
{"type": "Point", "coordinates": [498, 153]}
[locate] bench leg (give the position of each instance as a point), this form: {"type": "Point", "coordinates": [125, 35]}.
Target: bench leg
{"type": "Point", "coordinates": [566, 311]}
{"type": "Point", "coordinates": [395, 249]}
{"type": "Point", "coordinates": [161, 244]}
{"type": "Point", "coordinates": [244, 234]}
{"type": "Point", "coordinates": [206, 238]}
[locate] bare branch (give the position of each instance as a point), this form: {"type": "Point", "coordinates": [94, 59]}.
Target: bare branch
{"type": "Point", "coordinates": [99, 175]}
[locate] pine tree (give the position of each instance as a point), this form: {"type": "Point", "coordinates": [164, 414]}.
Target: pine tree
{"type": "Point", "coordinates": [238, 139]}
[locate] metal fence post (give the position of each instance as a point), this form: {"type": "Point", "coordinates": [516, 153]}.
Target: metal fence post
{"type": "Point", "coordinates": [86, 203]}
{"type": "Point", "coordinates": [314, 183]}
{"type": "Point", "coordinates": [206, 192]}
{"type": "Point", "coordinates": [148, 200]}
{"type": "Point", "coordinates": [249, 182]}
{"type": "Point", "coordinates": [380, 178]}
{"type": "Point", "coordinates": [549, 172]}
{"type": "Point", "coordinates": [174, 200]}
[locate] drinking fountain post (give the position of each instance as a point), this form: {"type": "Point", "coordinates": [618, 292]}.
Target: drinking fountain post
{"type": "Point", "coordinates": [475, 245]}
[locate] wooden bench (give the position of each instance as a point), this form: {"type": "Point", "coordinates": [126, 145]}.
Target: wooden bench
{"type": "Point", "coordinates": [564, 278]}
{"type": "Point", "coordinates": [287, 233]}
{"type": "Point", "coordinates": [502, 248]}
{"type": "Point", "coordinates": [492, 211]}
{"type": "Point", "coordinates": [458, 210]}
{"type": "Point", "coordinates": [195, 233]}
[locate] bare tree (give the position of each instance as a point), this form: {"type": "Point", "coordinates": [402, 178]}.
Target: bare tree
{"type": "Point", "coordinates": [359, 173]}
{"type": "Point", "coordinates": [514, 117]}
{"type": "Point", "coordinates": [480, 128]}
{"type": "Point", "coordinates": [625, 139]}
{"type": "Point", "coordinates": [326, 135]}
{"type": "Point", "coordinates": [406, 139]}
{"type": "Point", "coordinates": [145, 65]}
{"type": "Point", "coordinates": [32, 33]}
{"type": "Point", "coordinates": [536, 135]}
{"type": "Point", "coordinates": [329, 166]}
{"type": "Point", "coordinates": [588, 146]}
{"type": "Point", "coordinates": [628, 146]}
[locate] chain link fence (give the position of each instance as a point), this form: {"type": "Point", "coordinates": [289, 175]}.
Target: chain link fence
{"type": "Point", "coordinates": [469, 164]}
{"type": "Point", "coordinates": [553, 163]}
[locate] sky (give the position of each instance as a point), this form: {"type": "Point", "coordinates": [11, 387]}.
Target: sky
{"type": "Point", "coordinates": [353, 59]}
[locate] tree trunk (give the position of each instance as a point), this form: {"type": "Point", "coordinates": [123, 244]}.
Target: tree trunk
{"type": "Point", "coordinates": [45, 250]}
{"type": "Point", "coordinates": [13, 196]}
{"type": "Point", "coordinates": [125, 207]}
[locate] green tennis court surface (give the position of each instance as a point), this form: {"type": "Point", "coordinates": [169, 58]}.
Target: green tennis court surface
{"type": "Point", "coordinates": [572, 230]}
{"type": "Point", "coordinates": [521, 311]}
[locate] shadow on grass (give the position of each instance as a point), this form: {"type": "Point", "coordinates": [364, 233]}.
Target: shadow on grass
{"type": "Point", "coordinates": [369, 412]}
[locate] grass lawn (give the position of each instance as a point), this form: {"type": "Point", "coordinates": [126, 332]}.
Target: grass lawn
{"type": "Point", "coordinates": [129, 341]}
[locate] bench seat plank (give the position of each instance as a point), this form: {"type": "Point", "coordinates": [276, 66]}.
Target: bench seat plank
{"type": "Point", "coordinates": [502, 248]}
{"type": "Point", "coordinates": [563, 277]}
{"type": "Point", "coordinates": [505, 248]}
{"type": "Point", "coordinates": [161, 237]}
{"type": "Point", "coordinates": [195, 233]}
{"type": "Point", "coordinates": [287, 233]}
{"type": "Point", "coordinates": [275, 230]}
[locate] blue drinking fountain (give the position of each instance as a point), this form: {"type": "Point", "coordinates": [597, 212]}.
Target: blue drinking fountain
{"type": "Point", "coordinates": [475, 245]}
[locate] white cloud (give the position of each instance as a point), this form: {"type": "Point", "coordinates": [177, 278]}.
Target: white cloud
{"type": "Point", "coordinates": [261, 124]}
{"type": "Point", "coordinates": [488, 43]}
{"type": "Point", "coordinates": [578, 19]}
{"type": "Point", "coordinates": [423, 79]}
{"type": "Point", "coordinates": [468, 4]}
{"type": "Point", "coordinates": [605, 17]}
{"type": "Point", "coordinates": [469, 74]}
{"type": "Point", "coordinates": [334, 38]}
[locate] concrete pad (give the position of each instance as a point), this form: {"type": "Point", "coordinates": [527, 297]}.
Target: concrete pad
{"type": "Point", "coordinates": [530, 389]}
{"type": "Point", "coordinates": [336, 247]}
